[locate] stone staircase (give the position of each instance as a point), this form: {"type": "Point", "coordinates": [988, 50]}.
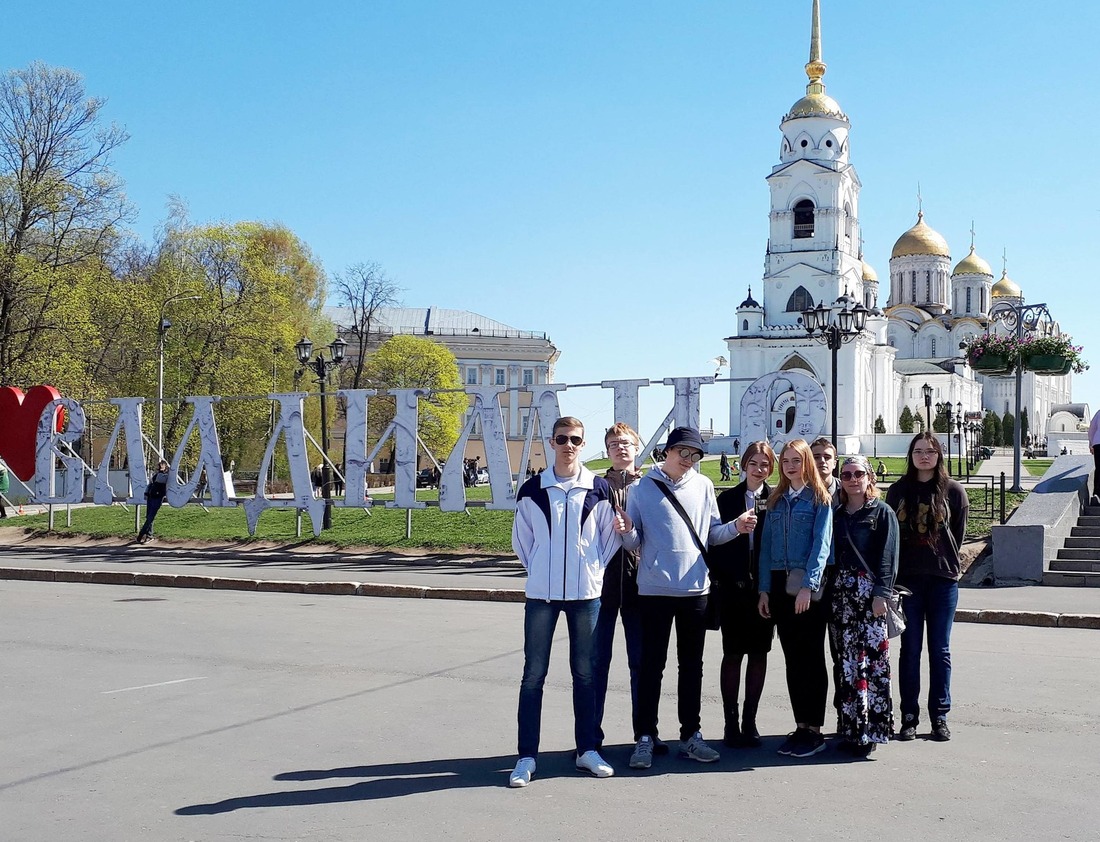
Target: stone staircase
{"type": "Point", "coordinates": [1078, 562]}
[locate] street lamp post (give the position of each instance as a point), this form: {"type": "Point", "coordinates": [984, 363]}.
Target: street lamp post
{"type": "Point", "coordinates": [162, 332]}
{"type": "Point", "coordinates": [958, 438]}
{"type": "Point", "coordinates": [847, 325]}
{"type": "Point", "coordinates": [1023, 318]}
{"type": "Point", "coordinates": [320, 367]}
{"type": "Point", "coordinates": [926, 390]}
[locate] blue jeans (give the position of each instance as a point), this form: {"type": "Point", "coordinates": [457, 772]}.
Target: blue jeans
{"type": "Point", "coordinates": [152, 506]}
{"type": "Point", "coordinates": [610, 610]}
{"type": "Point", "coordinates": [932, 605]}
{"type": "Point", "coordinates": [539, 620]}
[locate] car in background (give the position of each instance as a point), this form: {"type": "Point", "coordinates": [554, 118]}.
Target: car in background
{"type": "Point", "coordinates": [427, 478]}
{"type": "Point", "coordinates": [482, 476]}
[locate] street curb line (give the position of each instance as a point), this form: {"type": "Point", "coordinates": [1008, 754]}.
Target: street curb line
{"type": "Point", "coordinates": [1038, 619]}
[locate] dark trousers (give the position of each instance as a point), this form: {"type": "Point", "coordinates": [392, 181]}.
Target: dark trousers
{"type": "Point", "coordinates": [152, 506]}
{"type": "Point", "coordinates": [612, 605]}
{"type": "Point", "coordinates": [802, 637]}
{"type": "Point", "coordinates": [658, 614]}
{"type": "Point", "coordinates": [931, 606]}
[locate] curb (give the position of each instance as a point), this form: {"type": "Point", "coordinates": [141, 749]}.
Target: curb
{"type": "Point", "coordinates": [173, 580]}
{"type": "Point", "coordinates": [1037, 619]}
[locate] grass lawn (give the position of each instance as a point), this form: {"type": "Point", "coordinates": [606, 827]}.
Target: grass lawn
{"type": "Point", "coordinates": [1036, 467]}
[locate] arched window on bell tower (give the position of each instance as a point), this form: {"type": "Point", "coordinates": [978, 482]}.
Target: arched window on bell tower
{"type": "Point", "coordinates": [800, 301]}
{"type": "Point", "coordinates": [803, 220]}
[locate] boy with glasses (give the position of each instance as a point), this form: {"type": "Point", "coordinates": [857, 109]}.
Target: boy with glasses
{"type": "Point", "coordinates": [564, 534]}
{"type": "Point", "coordinates": [672, 516]}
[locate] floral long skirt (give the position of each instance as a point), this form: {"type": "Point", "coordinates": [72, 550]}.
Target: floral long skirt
{"type": "Point", "coordinates": [863, 669]}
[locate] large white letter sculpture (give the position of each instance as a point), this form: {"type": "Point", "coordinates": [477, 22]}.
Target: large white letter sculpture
{"type": "Point", "coordinates": [210, 457]}
{"type": "Point", "coordinates": [46, 452]}
{"type": "Point", "coordinates": [804, 420]}
{"type": "Point", "coordinates": [128, 422]}
{"type": "Point", "coordinates": [452, 493]}
{"type": "Point", "coordinates": [355, 448]}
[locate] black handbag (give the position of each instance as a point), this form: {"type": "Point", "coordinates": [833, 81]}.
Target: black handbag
{"type": "Point", "coordinates": [714, 599]}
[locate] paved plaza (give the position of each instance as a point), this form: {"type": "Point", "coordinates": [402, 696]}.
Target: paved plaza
{"type": "Point", "coordinates": [176, 714]}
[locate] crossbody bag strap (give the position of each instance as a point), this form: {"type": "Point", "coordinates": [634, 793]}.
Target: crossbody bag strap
{"type": "Point", "coordinates": [680, 511]}
{"type": "Point", "coordinates": [859, 555]}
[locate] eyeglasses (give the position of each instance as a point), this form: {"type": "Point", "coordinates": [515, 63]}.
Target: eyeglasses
{"type": "Point", "coordinates": [923, 453]}
{"type": "Point", "coordinates": [621, 443]}
{"type": "Point", "coordinates": [576, 441]}
{"type": "Point", "coordinates": [688, 453]}
{"type": "Point", "coordinates": [847, 475]}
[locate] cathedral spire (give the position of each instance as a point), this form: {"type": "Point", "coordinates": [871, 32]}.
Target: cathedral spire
{"type": "Point", "coordinates": [815, 67]}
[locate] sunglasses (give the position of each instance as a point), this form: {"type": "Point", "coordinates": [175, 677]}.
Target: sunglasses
{"type": "Point", "coordinates": [847, 475]}
{"type": "Point", "coordinates": [576, 441]}
{"type": "Point", "coordinates": [688, 453]}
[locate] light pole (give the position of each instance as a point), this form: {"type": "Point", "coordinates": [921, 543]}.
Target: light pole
{"type": "Point", "coordinates": [847, 325]}
{"type": "Point", "coordinates": [162, 331]}
{"type": "Point", "coordinates": [958, 439]}
{"type": "Point", "coordinates": [320, 367]}
{"type": "Point", "coordinates": [926, 390]}
{"type": "Point", "coordinates": [1024, 318]}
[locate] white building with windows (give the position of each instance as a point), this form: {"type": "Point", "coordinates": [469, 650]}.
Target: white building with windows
{"type": "Point", "coordinates": [814, 256]}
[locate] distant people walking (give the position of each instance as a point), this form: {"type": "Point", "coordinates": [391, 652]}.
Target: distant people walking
{"type": "Point", "coordinates": [932, 510]}
{"type": "Point", "coordinates": [724, 467]}
{"type": "Point", "coordinates": [155, 493]}
{"type": "Point", "coordinates": [865, 542]}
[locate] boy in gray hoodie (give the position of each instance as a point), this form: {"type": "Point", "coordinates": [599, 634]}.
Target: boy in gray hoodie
{"type": "Point", "coordinates": [673, 585]}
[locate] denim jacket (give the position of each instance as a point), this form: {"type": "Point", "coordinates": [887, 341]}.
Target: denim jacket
{"type": "Point", "coordinates": [797, 534]}
{"type": "Point", "coordinates": [873, 531]}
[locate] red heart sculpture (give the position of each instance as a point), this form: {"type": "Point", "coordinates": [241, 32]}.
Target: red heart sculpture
{"type": "Point", "coordinates": [19, 416]}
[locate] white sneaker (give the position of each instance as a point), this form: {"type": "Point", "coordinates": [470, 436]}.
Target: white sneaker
{"type": "Point", "coordinates": [521, 775]}
{"type": "Point", "coordinates": [595, 765]}
{"type": "Point", "coordinates": [642, 758]}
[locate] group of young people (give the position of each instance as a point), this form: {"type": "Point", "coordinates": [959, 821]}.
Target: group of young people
{"type": "Point", "coordinates": [815, 557]}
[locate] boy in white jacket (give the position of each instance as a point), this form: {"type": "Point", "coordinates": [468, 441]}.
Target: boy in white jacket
{"type": "Point", "coordinates": [564, 534]}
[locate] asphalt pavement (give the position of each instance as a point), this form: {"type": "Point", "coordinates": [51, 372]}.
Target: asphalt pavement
{"type": "Point", "coordinates": [136, 713]}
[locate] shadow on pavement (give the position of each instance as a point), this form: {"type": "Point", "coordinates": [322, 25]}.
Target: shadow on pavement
{"type": "Point", "coordinates": [395, 780]}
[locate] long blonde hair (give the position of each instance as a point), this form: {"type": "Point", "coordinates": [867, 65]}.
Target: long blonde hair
{"type": "Point", "coordinates": [810, 476]}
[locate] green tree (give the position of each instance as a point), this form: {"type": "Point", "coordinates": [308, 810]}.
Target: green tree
{"type": "Point", "coordinates": [1008, 424]}
{"type": "Point", "coordinates": [415, 362]}
{"type": "Point", "coordinates": [880, 425]}
{"type": "Point", "coordinates": [905, 420]}
{"type": "Point", "coordinates": [61, 206]}
{"type": "Point", "coordinates": [991, 430]}
{"type": "Point", "coordinates": [941, 420]}
{"type": "Point", "coordinates": [1024, 425]}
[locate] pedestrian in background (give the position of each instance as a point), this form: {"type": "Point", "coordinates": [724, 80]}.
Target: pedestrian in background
{"type": "Point", "coordinates": [155, 492]}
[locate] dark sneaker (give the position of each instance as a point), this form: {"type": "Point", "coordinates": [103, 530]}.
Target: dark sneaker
{"type": "Point", "coordinates": [696, 748]}
{"type": "Point", "coordinates": [908, 730]}
{"type": "Point", "coordinates": [642, 758]}
{"type": "Point", "coordinates": [810, 745]}
{"type": "Point", "coordinates": [940, 732]}
{"type": "Point", "coordinates": [793, 740]}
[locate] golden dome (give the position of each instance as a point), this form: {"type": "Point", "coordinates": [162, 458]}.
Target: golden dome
{"type": "Point", "coordinates": [869, 274]}
{"type": "Point", "coordinates": [972, 265]}
{"type": "Point", "coordinates": [1007, 288]}
{"type": "Point", "coordinates": [816, 105]}
{"type": "Point", "coordinates": [920, 239]}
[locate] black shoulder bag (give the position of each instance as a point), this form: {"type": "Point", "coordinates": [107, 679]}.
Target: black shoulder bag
{"type": "Point", "coordinates": [714, 600]}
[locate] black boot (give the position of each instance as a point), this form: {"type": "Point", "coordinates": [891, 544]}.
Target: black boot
{"type": "Point", "coordinates": [731, 736]}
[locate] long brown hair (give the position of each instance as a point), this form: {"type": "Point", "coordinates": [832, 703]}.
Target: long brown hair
{"type": "Point", "coordinates": [809, 475]}
{"type": "Point", "coordinates": [939, 485]}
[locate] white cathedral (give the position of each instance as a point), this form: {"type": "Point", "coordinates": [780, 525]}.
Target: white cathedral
{"type": "Point", "coordinates": [815, 257]}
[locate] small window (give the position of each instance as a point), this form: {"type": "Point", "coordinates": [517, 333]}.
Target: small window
{"type": "Point", "coordinates": [499, 379]}
{"type": "Point", "coordinates": [745, 325]}
{"type": "Point", "coordinates": [968, 291]}
{"type": "Point", "coordinates": [927, 287]}
{"type": "Point", "coordinates": [804, 219]}
{"type": "Point", "coordinates": [524, 421]}
{"type": "Point", "coordinates": [471, 376]}
{"type": "Point", "coordinates": [804, 144]}
{"type": "Point", "coordinates": [933, 347]}
{"type": "Point", "coordinates": [528, 376]}
{"type": "Point", "coordinates": [829, 143]}
{"type": "Point", "coordinates": [800, 301]}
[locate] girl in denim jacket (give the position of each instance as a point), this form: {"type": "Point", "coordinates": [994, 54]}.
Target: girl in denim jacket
{"type": "Point", "coordinates": [798, 534]}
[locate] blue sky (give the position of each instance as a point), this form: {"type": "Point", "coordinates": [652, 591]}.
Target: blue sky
{"type": "Point", "coordinates": [596, 170]}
